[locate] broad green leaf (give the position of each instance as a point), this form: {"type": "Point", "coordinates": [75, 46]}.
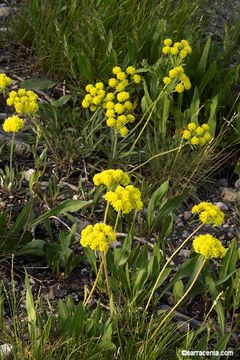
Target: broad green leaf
{"type": "Point", "coordinates": [62, 209]}
{"type": "Point", "coordinates": [35, 248]}
{"type": "Point", "coordinates": [212, 117]}
{"type": "Point", "coordinates": [229, 261]}
{"type": "Point", "coordinates": [178, 290]}
{"type": "Point", "coordinates": [155, 200]}
{"type": "Point", "coordinates": [218, 306]}
{"type": "Point", "coordinates": [38, 84]}
{"type": "Point", "coordinates": [31, 312]}
{"type": "Point", "coordinates": [195, 106]}
{"type": "Point", "coordinates": [61, 101]}
{"type": "Point", "coordinates": [201, 68]}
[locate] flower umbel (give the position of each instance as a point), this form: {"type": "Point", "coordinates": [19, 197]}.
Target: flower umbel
{"type": "Point", "coordinates": [125, 199]}
{"type": "Point", "coordinates": [197, 135]}
{"type": "Point", "coordinates": [209, 213]}
{"type": "Point", "coordinates": [111, 178]}
{"type": "Point", "coordinates": [98, 237]}
{"type": "Point", "coordinates": [13, 124]}
{"type": "Point", "coordinates": [209, 246]}
{"type": "Point", "coordinates": [24, 101]}
{"type": "Point", "coordinates": [5, 81]}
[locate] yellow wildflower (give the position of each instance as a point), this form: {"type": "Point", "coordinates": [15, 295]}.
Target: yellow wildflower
{"type": "Point", "coordinates": [191, 126]}
{"type": "Point", "coordinates": [166, 50]}
{"type": "Point", "coordinates": [121, 76]}
{"type": "Point", "coordinates": [5, 81]}
{"type": "Point", "coordinates": [194, 140]}
{"type": "Point", "coordinates": [167, 42]}
{"type": "Point", "coordinates": [167, 80]}
{"type": "Point", "coordinates": [186, 134]}
{"type": "Point", "coordinates": [111, 178]}
{"type": "Point", "coordinates": [98, 237]}
{"type": "Point", "coordinates": [179, 88]}
{"type": "Point", "coordinates": [130, 70]}
{"type": "Point", "coordinates": [119, 108]}
{"type": "Point", "coordinates": [112, 82]}
{"type": "Point", "coordinates": [123, 131]}
{"type": "Point", "coordinates": [173, 51]}
{"type": "Point", "coordinates": [125, 199]}
{"type": "Point", "coordinates": [208, 246]}
{"type": "Point", "coordinates": [137, 79]}
{"type": "Point", "coordinates": [13, 124]}
{"type": "Point", "coordinates": [123, 96]}
{"type": "Point", "coordinates": [209, 213]}
{"type": "Point", "coordinates": [116, 70]}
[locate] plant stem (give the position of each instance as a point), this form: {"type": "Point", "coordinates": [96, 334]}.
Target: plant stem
{"type": "Point", "coordinates": [168, 262]}
{"type": "Point", "coordinates": [116, 222]}
{"type": "Point", "coordinates": [148, 118]}
{"type": "Point", "coordinates": [180, 300]}
{"type": "Point", "coordinates": [95, 282]}
{"type": "Point", "coordinates": [114, 146]}
{"type": "Point", "coordinates": [154, 157]}
{"type": "Point", "coordinates": [11, 157]}
{"type": "Point", "coordinates": [107, 280]}
{"type": "Point", "coordinates": [105, 214]}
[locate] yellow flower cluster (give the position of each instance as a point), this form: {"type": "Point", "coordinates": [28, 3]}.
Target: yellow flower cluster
{"type": "Point", "coordinates": [182, 48]}
{"type": "Point", "coordinates": [111, 178]}
{"type": "Point", "coordinates": [177, 77]}
{"type": "Point", "coordinates": [5, 81]}
{"type": "Point", "coordinates": [125, 199]}
{"type": "Point", "coordinates": [13, 124]}
{"type": "Point", "coordinates": [98, 237]}
{"type": "Point", "coordinates": [197, 135]}
{"type": "Point", "coordinates": [95, 96]}
{"type": "Point", "coordinates": [24, 102]}
{"type": "Point", "coordinates": [209, 213]}
{"type": "Point", "coordinates": [116, 103]}
{"type": "Point", "coordinates": [209, 246]}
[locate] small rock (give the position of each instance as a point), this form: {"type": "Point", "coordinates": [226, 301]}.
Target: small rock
{"type": "Point", "coordinates": [222, 206]}
{"type": "Point", "coordinates": [28, 174]}
{"type": "Point", "coordinates": [187, 215]}
{"type": "Point", "coordinates": [6, 350]}
{"type": "Point", "coordinates": [185, 234]}
{"type": "Point", "coordinates": [4, 11]}
{"type": "Point", "coordinates": [184, 253]}
{"type": "Point", "coordinates": [237, 184]}
{"type": "Point", "coordinates": [170, 300]}
{"type": "Point", "coordinates": [230, 195]}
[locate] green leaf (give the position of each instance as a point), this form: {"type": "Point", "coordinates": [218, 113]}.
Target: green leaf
{"type": "Point", "coordinates": [229, 261]}
{"type": "Point", "coordinates": [34, 247]}
{"type": "Point", "coordinates": [178, 290]}
{"type": "Point", "coordinates": [194, 107]}
{"type": "Point", "coordinates": [212, 117]}
{"type": "Point", "coordinates": [62, 209]}
{"type": "Point", "coordinates": [201, 68]}
{"type": "Point", "coordinates": [61, 101]}
{"type": "Point", "coordinates": [218, 306]}
{"type": "Point", "coordinates": [155, 200]}
{"type": "Point", "coordinates": [222, 344]}
{"type": "Point", "coordinates": [38, 84]}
